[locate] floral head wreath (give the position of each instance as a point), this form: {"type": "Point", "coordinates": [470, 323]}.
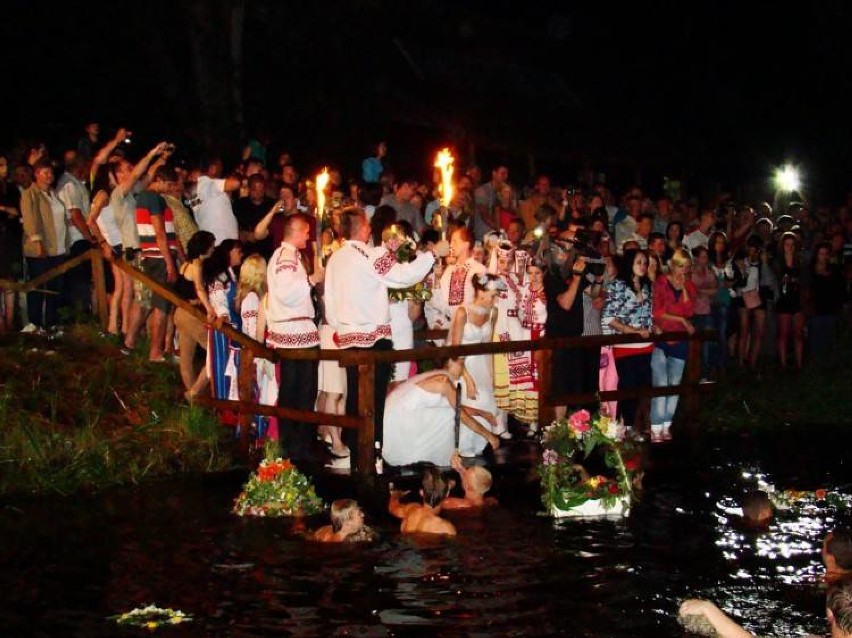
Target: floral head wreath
{"type": "Point", "coordinates": [491, 282]}
{"type": "Point", "coordinates": [505, 249]}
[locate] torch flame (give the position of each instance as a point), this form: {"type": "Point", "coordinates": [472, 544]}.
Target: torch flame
{"type": "Point", "coordinates": [322, 182]}
{"type": "Point", "coordinates": [444, 161]}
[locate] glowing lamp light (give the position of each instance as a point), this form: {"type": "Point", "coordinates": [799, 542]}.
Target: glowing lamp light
{"type": "Point", "coordinates": [787, 179]}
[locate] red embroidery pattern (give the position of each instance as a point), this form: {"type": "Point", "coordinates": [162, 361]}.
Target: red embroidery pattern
{"type": "Point", "coordinates": [455, 295]}
{"type": "Point", "coordinates": [385, 263]}
{"type": "Point", "coordinates": [286, 340]}
{"type": "Point", "coordinates": [530, 319]}
{"type": "Point", "coordinates": [250, 314]}
{"type": "Point", "coordinates": [364, 339]}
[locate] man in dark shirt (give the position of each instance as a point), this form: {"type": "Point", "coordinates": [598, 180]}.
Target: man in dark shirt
{"type": "Point", "coordinates": [570, 372]}
{"type": "Point", "coordinates": [249, 211]}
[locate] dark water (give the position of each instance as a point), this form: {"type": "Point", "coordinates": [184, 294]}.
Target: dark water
{"type": "Point", "coordinates": [67, 564]}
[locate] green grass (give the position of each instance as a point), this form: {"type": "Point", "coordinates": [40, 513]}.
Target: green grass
{"type": "Point", "coordinates": [817, 395]}
{"type": "Point", "coordinates": [78, 415]}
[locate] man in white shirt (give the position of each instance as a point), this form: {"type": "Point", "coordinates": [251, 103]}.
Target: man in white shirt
{"type": "Point", "coordinates": [290, 321]}
{"type": "Point", "coordinates": [72, 191]}
{"type": "Point", "coordinates": [356, 303]}
{"type": "Point", "coordinates": [211, 203]}
{"type": "Point", "coordinates": [701, 235]}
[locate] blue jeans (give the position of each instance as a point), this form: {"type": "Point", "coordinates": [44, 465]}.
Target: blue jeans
{"type": "Point", "coordinates": [665, 371]}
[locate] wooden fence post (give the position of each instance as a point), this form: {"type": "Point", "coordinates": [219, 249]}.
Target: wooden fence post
{"type": "Point", "coordinates": [691, 377]}
{"type": "Point", "coordinates": [367, 411]}
{"type": "Point", "coordinates": [246, 392]}
{"type": "Point", "coordinates": [100, 286]}
{"type": "Point", "coordinates": [544, 364]}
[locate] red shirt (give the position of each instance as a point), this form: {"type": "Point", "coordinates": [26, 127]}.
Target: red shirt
{"type": "Point", "coordinates": [668, 301]}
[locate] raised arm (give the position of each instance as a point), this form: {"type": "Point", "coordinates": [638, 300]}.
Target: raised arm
{"type": "Point", "coordinates": [102, 156]}
{"type": "Point", "coordinates": [139, 170]}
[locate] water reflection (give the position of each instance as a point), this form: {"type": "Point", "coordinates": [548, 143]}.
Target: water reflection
{"type": "Point", "coordinates": [67, 564]}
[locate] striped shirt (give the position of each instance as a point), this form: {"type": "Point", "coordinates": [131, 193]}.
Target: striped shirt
{"type": "Point", "coordinates": [148, 205]}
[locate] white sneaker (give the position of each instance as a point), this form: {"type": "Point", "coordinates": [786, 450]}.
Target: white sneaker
{"type": "Point", "coordinates": [533, 431]}
{"type": "Point", "coordinates": [30, 328]}
{"type": "Point", "coordinates": [339, 464]}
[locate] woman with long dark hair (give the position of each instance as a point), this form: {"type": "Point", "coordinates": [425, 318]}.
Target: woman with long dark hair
{"type": "Point", "coordinates": [628, 310]}
{"type": "Point", "coordinates": [788, 306]}
{"type": "Point", "coordinates": [192, 332]}
{"type": "Point", "coordinates": [219, 273]}
{"type": "Point", "coordinates": [722, 266]}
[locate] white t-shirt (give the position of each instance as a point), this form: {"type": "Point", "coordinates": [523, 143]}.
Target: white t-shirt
{"type": "Point", "coordinates": [74, 194]}
{"type": "Point", "coordinates": [108, 226]}
{"type": "Point", "coordinates": [213, 211]}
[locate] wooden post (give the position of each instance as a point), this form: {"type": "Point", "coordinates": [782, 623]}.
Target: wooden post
{"type": "Point", "coordinates": [100, 286]}
{"type": "Point", "coordinates": [692, 375]}
{"type": "Point", "coordinates": [367, 411]}
{"type": "Point", "coordinates": [246, 391]}
{"type": "Point", "coordinates": [544, 363]}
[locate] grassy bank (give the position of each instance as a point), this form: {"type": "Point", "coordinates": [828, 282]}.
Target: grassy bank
{"type": "Point", "coordinates": [77, 414]}
{"type": "Point", "coordinates": [770, 398]}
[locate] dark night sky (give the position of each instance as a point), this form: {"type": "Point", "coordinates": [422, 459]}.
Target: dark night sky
{"type": "Point", "coordinates": [691, 89]}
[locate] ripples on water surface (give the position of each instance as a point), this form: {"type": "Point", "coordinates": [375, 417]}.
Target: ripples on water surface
{"type": "Point", "coordinates": [68, 563]}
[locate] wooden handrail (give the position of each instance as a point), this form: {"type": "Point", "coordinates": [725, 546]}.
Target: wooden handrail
{"type": "Point", "coordinates": [36, 282]}
{"type": "Point", "coordinates": [366, 361]}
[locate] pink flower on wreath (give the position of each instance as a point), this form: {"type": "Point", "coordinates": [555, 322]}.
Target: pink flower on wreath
{"type": "Point", "coordinates": [579, 421]}
{"type": "Point", "coordinates": [550, 457]}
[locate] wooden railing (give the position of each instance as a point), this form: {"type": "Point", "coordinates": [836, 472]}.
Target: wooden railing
{"type": "Point", "coordinates": [367, 360]}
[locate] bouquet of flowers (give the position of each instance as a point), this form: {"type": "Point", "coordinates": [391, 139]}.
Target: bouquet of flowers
{"type": "Point", "coordinates": [404, 250]}
{"type": "Point", "coordinates": [567, 444]}
{"type": "Point", "coordinates": [277, 488]}
{"type": "Point", "coordinates": [151, 617]}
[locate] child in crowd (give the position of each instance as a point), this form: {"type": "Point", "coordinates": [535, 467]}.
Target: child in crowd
{"type": "Point", "coordinates": [424, 517]}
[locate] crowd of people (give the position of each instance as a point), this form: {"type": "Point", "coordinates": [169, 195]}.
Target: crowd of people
{"type": "Point", "coordinates": [249, 247]}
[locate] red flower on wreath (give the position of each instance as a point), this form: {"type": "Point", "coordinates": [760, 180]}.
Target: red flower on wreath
{"type": "Point", "coordinates": [632, 464]}
{"type": "Point", "coordinates": [613, 488]}
{"type": "Point", "coordinates": [821, 494]}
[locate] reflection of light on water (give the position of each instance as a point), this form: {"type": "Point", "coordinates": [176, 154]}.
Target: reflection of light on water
{"type": "Point", "coordinates": [787, 550]}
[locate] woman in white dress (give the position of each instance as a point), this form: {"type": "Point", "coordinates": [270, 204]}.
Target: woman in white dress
{"type": "Point", "coordinates": [475, 323]}
{"type": "Point", "coordinates": [420, 418]}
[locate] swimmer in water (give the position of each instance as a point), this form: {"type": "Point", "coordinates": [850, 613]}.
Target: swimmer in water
{"type": "Point", "coordinates": [347, 524]}
{"type": "Point", "coordinates": [424, 517]}
{"type": "Point", "coordinates": [475, 481]}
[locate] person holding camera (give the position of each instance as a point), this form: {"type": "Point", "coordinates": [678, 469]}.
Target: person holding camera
{"type": "Point", "coordinates": [564, 283]}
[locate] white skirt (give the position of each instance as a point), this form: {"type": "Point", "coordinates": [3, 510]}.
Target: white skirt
{"type": "Point", "coordinates": [332, 378]}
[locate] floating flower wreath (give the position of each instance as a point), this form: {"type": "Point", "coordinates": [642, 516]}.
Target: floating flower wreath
{"type": "Point", "coordinates": [567, 443]}
{"type": "Point", "coordinates": [151, 617]}
{"type": "Point", "coordinates": [801, 499]}
{"type": "Point", "coordinates": [277, 488]}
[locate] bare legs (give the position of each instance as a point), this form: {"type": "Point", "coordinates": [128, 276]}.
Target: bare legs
{"type": "Point", "coordinates": [787, 324]}
{"type": "Point", "coordinates": [332, 403]}
{"type": "Point", "coordinates": [752, 325]}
